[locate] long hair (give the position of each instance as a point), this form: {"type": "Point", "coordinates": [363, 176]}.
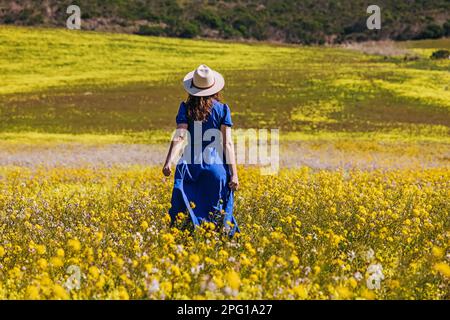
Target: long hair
{"type": "Point", "coordinates": [199, 108]}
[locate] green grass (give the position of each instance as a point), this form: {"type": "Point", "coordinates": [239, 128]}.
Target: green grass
{"type": "Point", "coordinates": [56, 83]}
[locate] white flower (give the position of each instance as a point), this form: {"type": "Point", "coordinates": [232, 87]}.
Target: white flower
{"type": "Point", "coordinates": [230, 292]}
{"type": "Point", "coordinates": [374, 281]}
{"type": "Point", "coordinates": [370, 254]}
{"type": "Point", "coordinates": [197, 268]}
{"type": "Point", "coordinates": [154, 286]}
{"type": "Point", "coordinates": [351, 255]}
{"type": "Point", "coordinates": [227, 291]}
{"type": "Point", "coordinates": [375, 272]}
{"type": "Point", "coordinates": [375, 268]}
{"type": "Point", "coordinates": [307, 270]}
{"type": "Point", "coordinates": [138, 236]}
{"type": "Point", "coordinates": [358, 276]}
{"type": "Point", "coordinates": [155, 270]}
{"type": "Point", "coordinates": [211, 286]}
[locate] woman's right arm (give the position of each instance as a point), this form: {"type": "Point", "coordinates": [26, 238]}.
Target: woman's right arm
{"type": "Point", "coordinates": [176, 146]}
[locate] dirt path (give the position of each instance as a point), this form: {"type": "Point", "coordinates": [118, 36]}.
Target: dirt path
{"type": "Point", "coordinates": [291, 155]}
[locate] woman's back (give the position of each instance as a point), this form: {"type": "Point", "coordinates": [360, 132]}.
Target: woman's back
{"type": "Point", "coordinates": [206, 134]}
{"type": "Point", "coordinates": [219, 115]}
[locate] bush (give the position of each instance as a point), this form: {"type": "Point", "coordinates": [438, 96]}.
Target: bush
{"type": "Point", "coordinates": [446, 28]}
{"type": "Point", "coordinates": [405, 34]}
{"type": "Point", "coordinates": [188, 30]}
{"type": "Point", "coordinates": [358, 37]}
{"type": "Point", "coordinates": [441, 54]}
{"type": "Point", "coordinates": [432, 31]}
{"type": "Point", "coordinates": [230, 33]}
{"type": "Point", "coordinates": [357, 27]}
{"type": "Point", "coordinates": [209, 19]}
{"type": "Point", "coordinates": [8, 19]}
{"type": "Point", "coordinates": [150, 31]}
{"type": "Point", "coordinates": [259, 33]}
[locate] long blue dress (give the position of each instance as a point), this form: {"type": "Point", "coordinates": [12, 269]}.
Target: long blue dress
{"type": "Point", "coordinates": [202, 175]}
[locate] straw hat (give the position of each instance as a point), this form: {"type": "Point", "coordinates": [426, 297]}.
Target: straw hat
{"type": "Point", "coordinates": [203, 82]}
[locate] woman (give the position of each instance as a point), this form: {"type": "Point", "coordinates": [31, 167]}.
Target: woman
{"type": "Point", "coordinates": [206, 175]}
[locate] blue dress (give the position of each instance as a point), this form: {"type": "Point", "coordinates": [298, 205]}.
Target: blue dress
{"type": "Point", "coordinates": [202, 175]}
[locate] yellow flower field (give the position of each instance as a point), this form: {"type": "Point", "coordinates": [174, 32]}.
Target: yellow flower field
{"type": "Point", "coordinates": [359, 210]}
{"type": "Point", "coordinates": [104, 233]}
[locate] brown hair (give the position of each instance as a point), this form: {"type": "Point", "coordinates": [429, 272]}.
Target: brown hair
{"type": "Point", "coordinates": [199, 108]}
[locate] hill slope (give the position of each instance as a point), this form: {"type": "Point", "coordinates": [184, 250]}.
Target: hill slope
{"type": "Point", "coordinates": [61, 81]}
{"type": "Point", "coordinates": [308, 21]}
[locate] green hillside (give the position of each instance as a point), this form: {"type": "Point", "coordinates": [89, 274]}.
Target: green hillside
{"type": "Point", "coordinates": [307, 21]}
{"type": "Point", "coordinates": [57, 81]}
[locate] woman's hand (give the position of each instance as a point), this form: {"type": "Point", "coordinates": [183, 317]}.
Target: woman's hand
{"type": "Point", "coordinates": [234, 182]}
{"type": "Point", "coordinates": [167, 170]}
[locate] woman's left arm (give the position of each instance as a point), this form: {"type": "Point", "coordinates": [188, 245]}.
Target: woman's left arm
{"type": "Point", "coordinates": [230, 156]}
{"type": "Point", "coordinates": [176, 145]}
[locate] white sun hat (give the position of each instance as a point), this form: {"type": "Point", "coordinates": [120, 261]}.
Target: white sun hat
{"type": "Point", "coordinates": [203, 82]}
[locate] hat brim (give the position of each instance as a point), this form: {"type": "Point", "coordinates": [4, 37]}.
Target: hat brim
{"type": "Point", "coordinates": [219, 83]}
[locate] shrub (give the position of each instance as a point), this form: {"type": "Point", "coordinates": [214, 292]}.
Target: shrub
{"type": "Point", "coordinates": [229, 32]}
{"type": "Point", "coordinates": [432, 31]}
{"type": "Point", "coordinates": [150, 30]}
{"type": "Point", "coordinates": [446, 28]}
{"type": "Point", "coordinates": [441, 54]}
{"type": "Point", "coordinates": [188, 30]}
{"type": "Point", "coordinates": [209, 19]}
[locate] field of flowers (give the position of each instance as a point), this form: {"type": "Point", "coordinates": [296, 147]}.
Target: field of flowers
{"type": "Point", "coordinates": [359, 210]}
{"type": "Point", "coordinates": [85, 233]}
